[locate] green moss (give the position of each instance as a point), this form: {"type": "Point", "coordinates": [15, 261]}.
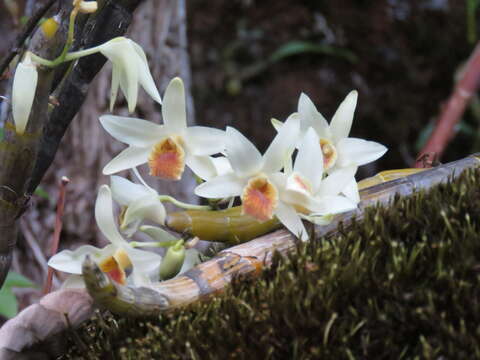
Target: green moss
{"type": "Point", "coordinates": [404, 283]}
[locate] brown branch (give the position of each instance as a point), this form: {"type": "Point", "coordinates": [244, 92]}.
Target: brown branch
{"type": "Point", "coordinates": [453, 111]}
{"type": "Point", "coordinates": [28, 29]}
{"type": "Point", "coordinates": [58, 229]}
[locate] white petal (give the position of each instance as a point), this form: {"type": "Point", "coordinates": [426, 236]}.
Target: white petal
{"type": "Point", "coordinates": [279, 179]}
{"type": "Point", "coordinates": [157, 233]}
{"type": "Point", "coordinates": [135, 132]}
{"type": "Point", "coordinates": [145, 208]}
{"type": "Point", "coordinates": [116, 73]}
{"type": "Point", "coordinates": [145, 77]}
{"type": "Point", "coordinates": [202, 140]}
{"type": "Point", "coordinates": [192, 258]}
{"type": "Point", "coordinates": [221, 187]}
{"type": "Point", "coordinates": [282, 145]}
{"type": "Point", "coordinates": [104, 216]}
{"type": "Point", "coordinates": [335, 182]}
{"type": "Point", "coordinates": [290, 219]}
{"type": "Point", "coordinates": [125, 192]}
{"type": "Point", "coordinates": [351, 191]}
{"type": "Point", "coordinates": [132, 86]}
{"type": "Point", "coordinates": [244, 157]}
{"type": "Point", "coordinates": [143, 261]}
{"type": "Point", "coordinates": [71, 261]}
{"type": "Point", "coordinates": [173, 108]}
{"type": "Point", "coordinates": [294, 197]}
{"type": "Point", "coordinates": [277, 124]}
{"type": "Point", "coordinates": [202, 166]}
{"type": "Point", "coordinates": [310, 117]}
{"type": "Point", "coordinates": [122, 54]}
{"type": "Point", "coordinates": [342, 120]}
{"type": "Point", "coordinates": [127, 159]}
{"type": "Point", "coordinates": [309, 160]}
{"type": "Point", "coordinates": [222, 165]}
{"type": "Point", "coordinates": [353, 151]}
{"type": "Point", "coordinates": [331, 205]}
{"type": "Point", "coordinates": [73, 282]}
{"type": "Point", "coordinates": [23, 93]}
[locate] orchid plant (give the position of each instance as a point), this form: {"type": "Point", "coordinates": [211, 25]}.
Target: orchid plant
{"type": "Point", "coordinates": [306, 174]}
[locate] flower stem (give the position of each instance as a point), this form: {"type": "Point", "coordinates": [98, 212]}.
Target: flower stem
{"type": "Point", "coordinates": [137, 244]}
{"type": "Point", "coordinates": [65, 55]}
{"type": "Point", "coordinates": [182, 204]}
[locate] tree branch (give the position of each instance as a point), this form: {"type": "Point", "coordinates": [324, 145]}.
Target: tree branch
{"type": "Point", "coordinates": [112, 21]}
{"type": "Point", "coordinates": [29, 27]}
{"type": "Point", "coordinates": [453, 110]}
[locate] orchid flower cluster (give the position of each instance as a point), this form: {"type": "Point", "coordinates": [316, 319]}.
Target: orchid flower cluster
{"type": "Point", "coordinates": [306, 173]}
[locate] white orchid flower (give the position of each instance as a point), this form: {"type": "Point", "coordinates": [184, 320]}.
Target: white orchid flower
{"type": "Point", "coordinates": [166, 148]}
{"type": "Point", "coordinates": [306, 191]}
{"type": "Point", "coordinates": [23, 93]}
{"type": "Point", "coordinates": [251, 171]}
{"type": "Point", "coordinates": [213, 167]}
{"type": "Point", "coordinates": [129, 68]}
{"type": "Point", "coordinates": [338, 149]}
{"type": "Point", "coordinates": [141, 202]}
{"type": "Point", "coordinates": [116, 257]}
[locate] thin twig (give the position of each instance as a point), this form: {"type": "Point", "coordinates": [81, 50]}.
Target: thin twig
{"type": "Point", "coordinates": [453, 110]}
{"type": "Point", "coordinates": [57, 230]}
{"type": "Point", "coordinates": [29, 27]}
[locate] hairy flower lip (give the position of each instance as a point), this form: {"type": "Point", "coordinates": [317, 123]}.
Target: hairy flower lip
{"type": "Point", "coordinates": [259, 198]}
{"type": "Point", "coordinates": [167, 159]}
{"type": "Point", "coordinates": [329, 153]}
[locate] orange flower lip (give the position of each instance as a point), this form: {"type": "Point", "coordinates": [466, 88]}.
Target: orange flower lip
{"type": "Point", "coordinates": [115, 266]}
{"type": "Point", "coordinates": [111, 267]}
{"type": "Point", "coordinates": [259, 198]}
{"type": "Point", "coordinates": [329, 153]}
{"type": "Point", "coordinates": [167, 159]}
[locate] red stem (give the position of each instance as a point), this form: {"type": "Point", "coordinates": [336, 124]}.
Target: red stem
{"type": "Point", "coordinates": [453, 110]}
{"type": "Point", "coordinates": [57, 230]}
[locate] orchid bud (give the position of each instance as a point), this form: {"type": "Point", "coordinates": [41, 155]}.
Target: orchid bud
{"type": "Point", "coordinates": [173, 261]}
{"type": "Point", "coordinates": [23, 93]}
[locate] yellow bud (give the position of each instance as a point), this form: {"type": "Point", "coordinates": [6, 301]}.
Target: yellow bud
{"type": "Point", "coordinates": [50, 27]}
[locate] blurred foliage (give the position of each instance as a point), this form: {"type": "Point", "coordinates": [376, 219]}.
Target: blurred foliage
{"type": "Point", "coordinates": [8, 300]}
{"type": "Point", "coordinates": [472, 6]}
{"type": "Point", "coordinates": [39, 191]}
{"type": "Point", "coordinates": [305, 47]}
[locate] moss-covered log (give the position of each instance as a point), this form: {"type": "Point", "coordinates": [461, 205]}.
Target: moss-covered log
{"type": "Point", "coordinates": [402, 283]}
